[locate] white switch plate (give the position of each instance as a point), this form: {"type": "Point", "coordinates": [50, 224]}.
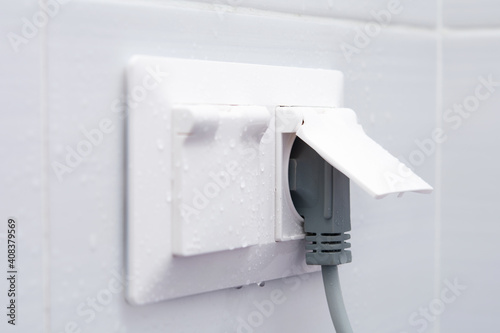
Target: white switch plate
{"type": "Point", "coordinates": [166, 258]}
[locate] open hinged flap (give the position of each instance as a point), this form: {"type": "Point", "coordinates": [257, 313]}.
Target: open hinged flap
{"type": "Point", "coordinates": [335, 134]}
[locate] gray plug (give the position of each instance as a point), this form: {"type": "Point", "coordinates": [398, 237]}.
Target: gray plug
{"type": "Point", "coordinates": [320, 194]}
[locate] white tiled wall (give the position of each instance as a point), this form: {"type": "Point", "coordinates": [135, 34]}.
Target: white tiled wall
{"type": "Point", "coordinates": [471, 14]}
{"type": "Point", "coordinates": [22, 186]}
{"type": "Point", "coordinates": [470, 210]}
{"type": "Point", "coordinates": [70, 75]}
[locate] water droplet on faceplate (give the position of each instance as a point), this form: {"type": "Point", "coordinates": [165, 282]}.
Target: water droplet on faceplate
{"type": "Point", "coordinates": [242, 184]}
{"type": "Point", "coordinates": [160, 144]}
{"type": "Point", "coordinates": [261, 284]}
{"type": "Point", "coordinates": [92, 242]}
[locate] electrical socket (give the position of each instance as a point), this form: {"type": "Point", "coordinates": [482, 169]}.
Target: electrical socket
{"type": "Point", "coordinates": [169, 256]}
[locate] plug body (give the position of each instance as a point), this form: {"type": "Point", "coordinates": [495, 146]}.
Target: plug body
{"type": "Point", "coordinates": [320, 194]}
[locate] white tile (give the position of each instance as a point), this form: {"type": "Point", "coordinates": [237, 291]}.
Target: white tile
{"type": "Point", "coordinates": [390, 83]}
{"type": "Point", "coordinates": [393, 92]}
{"type": "Point", "coordinates": [471, 13]}
{"type": "Point", "coordinates": [21, 165]}
{"type": "Point", "coordinates": [470, 181]}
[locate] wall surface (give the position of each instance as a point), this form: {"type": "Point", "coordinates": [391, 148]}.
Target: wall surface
{"type": "Point", "coordinates": [422, 263]}
{"type": "Point", "coordinates": [469, 166]}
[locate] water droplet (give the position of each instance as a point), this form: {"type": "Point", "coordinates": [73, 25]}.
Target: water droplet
{"type": "Point", "coordinates": [261, 284]}
{"type": "Point", "coordinates": [159, 144]}
{"type": "Point", "coordinates": [92, 242]}
{"type": "Point", "coordinates": [372, 117]}
{"type": "Point", "coordinates": [242, 184]}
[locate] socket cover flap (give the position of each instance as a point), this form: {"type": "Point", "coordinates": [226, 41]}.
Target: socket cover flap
{"type": "Point", "coordinates": [336, 135]}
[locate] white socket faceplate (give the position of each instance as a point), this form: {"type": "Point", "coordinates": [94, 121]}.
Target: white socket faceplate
{"type": "Point", "coordinates": [190, 122]}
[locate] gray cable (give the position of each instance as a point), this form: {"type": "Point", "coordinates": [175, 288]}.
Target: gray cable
{"type": "Point", "coordinates": [320, 193]}
{"type": "Point", "coordinates": [336, 305]}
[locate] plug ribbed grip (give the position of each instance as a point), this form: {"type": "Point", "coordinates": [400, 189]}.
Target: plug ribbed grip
{"type": "Point", "coordinates": [327, 249]}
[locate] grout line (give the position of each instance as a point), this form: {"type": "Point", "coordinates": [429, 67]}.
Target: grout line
{"type": "Point", "coordinates": [439, 164]}
{"type": "Point", "coordinates": [45, 176]}
{"type": "Point", "coordinates": [493, 30]}
{"type": "Point", "coordinates": [220, 7]}
{"type": "Point", "coordinates": [223, 6]}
